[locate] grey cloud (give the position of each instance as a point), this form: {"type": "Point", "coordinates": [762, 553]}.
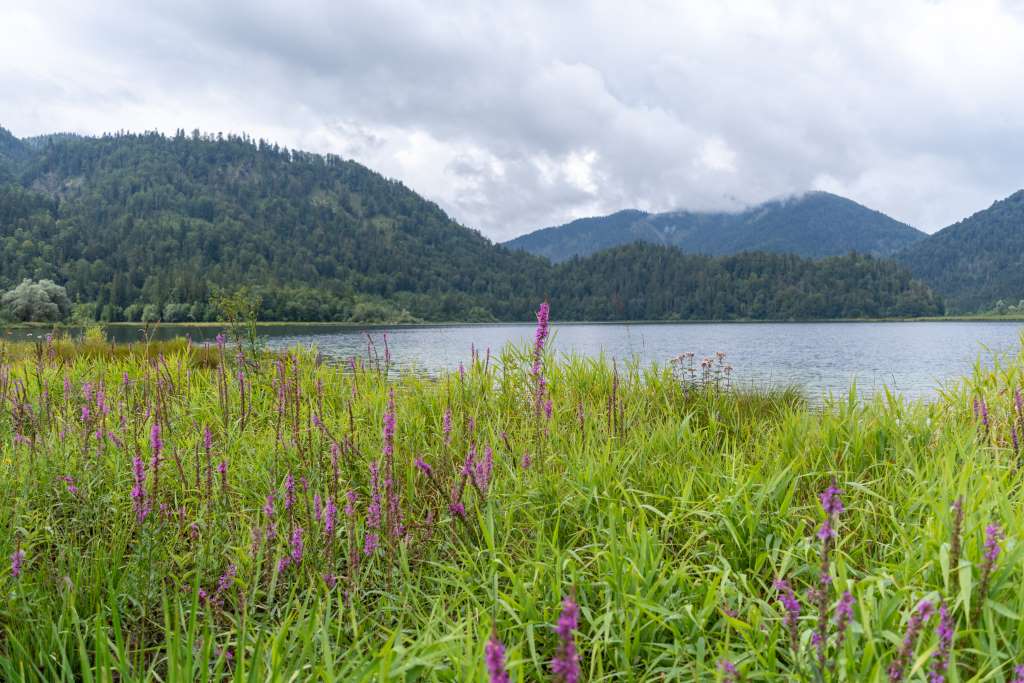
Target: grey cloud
{"type": "Point", "coordinates": [518, 116]}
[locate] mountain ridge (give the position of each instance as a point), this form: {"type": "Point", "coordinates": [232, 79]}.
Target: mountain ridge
{"type": "Point", "coordinates": [815, 224]}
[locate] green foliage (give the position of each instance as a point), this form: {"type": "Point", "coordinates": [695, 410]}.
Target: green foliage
{"type": "Point", "coordinates": [645, 282]}
{"type": "Point", "coordinates": [148, 227]}
{"type": "Point", "coordinates": [669, 512]}
{"type": "Point", "coordinates": [815, 225]}
{"type": "Point", "coordinates": [976, 262]}
{"type": "Point", "coordinates": [43, 301]}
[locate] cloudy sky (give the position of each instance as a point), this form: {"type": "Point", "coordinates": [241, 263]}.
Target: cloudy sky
{"type": "Point", "coordinates": [518, 115]}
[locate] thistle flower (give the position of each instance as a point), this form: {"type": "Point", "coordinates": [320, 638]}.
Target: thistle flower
{"type": "Point", "coordinates": [920, 616]}
{"type": "Point", "coordinates": [16, 561]}
{"type": "Point", "coordinates": [566, 664]}
{"type": "Point", "coordinates": [494, 656]}
{"type": "Point", "coordinates": [940, 658]}
{"type": "Point", "coordinates": [790, 603]}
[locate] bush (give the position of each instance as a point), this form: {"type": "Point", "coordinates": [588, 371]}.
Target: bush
{"type": "Point", "coordinates": [43, 301]}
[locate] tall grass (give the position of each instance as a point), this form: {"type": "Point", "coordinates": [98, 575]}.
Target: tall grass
{"type": "Point", "coordinates": [669, 511]}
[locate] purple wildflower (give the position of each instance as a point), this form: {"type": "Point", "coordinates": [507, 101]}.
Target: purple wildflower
{"type": "Point", "coordinates": [289, 491]}
{"type": "Point", "coordinates": [831, 501]}
{"type": "Point", "coordinates": [525, 461]}
{"type": "Point", "coordinates": [954, 540]}
{"type": "Point", "coordinates": [16, 561]}
{"type": "Point", "coordinates": [424, 466]}
{"type": "Point", "coordinates": [330, 515]}
{"type": "Point", "coordinates": [389, 427]}
{"type": "Point", "coordinates": [844, 614]}
{"type": "Point", "coordinates": [920, 616]}
{"type": "Point", "coordinates": [207, 439]}
{"type": "Point", "coordinates": [940, 659]}
{"type": "Point", "coordinates": [729, 673]}
{"type": "Point", "coordinates": [139, 489]}
{"type": "Point", "coordinates": [374, 511]}
{"type": "Point", "coordinates": [317, 504]}
{"type": "Point", "coordinates": [297, 545]}
{"type": "Point", "coordinates": [1018, 674]}
{"type": "Point", "coordinates": [268, 507]}
{"type": "Point", "coordinates": [484, 468]}
{"type": "Point", "coordinates": [155, 442]}
{"type": "Point", "coordinates": [566, 664]}
{"type": "Point", "coordinates": [226, 579]}
{"type": "Point", "coordinates": [541, 335]}
{"type": "Point", "coordinates": [457, 509]}
{"type": "Point", "coordinates": [370, 547]}
{"type": "Point", "coordinates": [446, 426]}
{"type": "Point", "coordinates": [494, 656]}
{"type": "Point", "coordinates": [791, 604]}
{"type": "Point", "coordinates": [993, 534]}
{"type": "Point", "coordinates": [351, 500]}
{"type": "Point", "coordinates": [548, 408]}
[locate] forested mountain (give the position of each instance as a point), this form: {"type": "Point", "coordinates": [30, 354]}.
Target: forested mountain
{"type": "Point", "coordinates": [815, 224]}
{"type": "Point", "coordinates": [978, 261]}
{"type": "Point", "coordinates": [149, 226]}
{"type": "Point", "coordinates": [648, 282]}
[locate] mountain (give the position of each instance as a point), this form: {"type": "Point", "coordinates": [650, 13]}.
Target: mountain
{"type": "Point", "coordinates": [978, 261]}
{"type": "Point", "coordinates": [148, 226]}
{"type": "Point", "coordinates": [815, 224]}
{"type": "Point", "coordinates": [130, 220]}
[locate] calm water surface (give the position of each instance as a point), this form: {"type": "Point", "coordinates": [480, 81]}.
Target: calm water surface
{"type": "Point", "coordinates": [913, 358]}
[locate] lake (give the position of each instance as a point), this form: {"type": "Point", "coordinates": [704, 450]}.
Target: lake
{"type": "Point", "coordinates": [913, 358]}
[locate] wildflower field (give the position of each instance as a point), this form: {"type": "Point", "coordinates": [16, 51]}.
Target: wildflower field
{"type": "Point", "coordinates": [214, 514]}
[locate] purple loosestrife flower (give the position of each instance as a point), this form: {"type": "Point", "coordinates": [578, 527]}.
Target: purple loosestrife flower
{"type": "Point", "coordinates": [993, 534]}
{"type": "Point", "coordinates": [940, 658]}
{"type": "Point", "coordinates": [525, 461]}
{"type": "Point", "coordinates": [424, 466]}
{"type": "Point", "coordinates": [484, 468]}
{"type": "Point", "coordinates": [17, 558]}
{"type": "Point", "coordinates": [541, 335]}
{"type": "Point", "coordinates": [289, 491]}
{"type": "Point", "coordinates": [954, 539]}
{"type": "Point", "coordinates": [374, 511]}
{"type": "Point", "coordinates": [548, 408]}
{"type": "Point", "coordinates": [446, 426]}
{"type": "Point", "coordinates": [457, 509]}
{"type": "Point", "coordinates": [330, 516]}
{"type": "Point", "coordinates": [922, 613]}
{"type": "Point", "coordinates": [370, 546]}
{"type": "Point", "coordinates": [389, 427]}
{"type": "Point", "coordinates": [566, 664]}
{"type": "Point", "coordinates": [268, 506]}
{"type": "Point", "coordinates": [844, 614]}
{"type": "Point", "coordinates": [1018, 674]}
{"type": "Point", "coordinates": [729, 673]}
{"type": "Point", "coordinates": [226, 579]}
{"type": "Point", "coordinates": [297, 545]}
{"type": "Point", "coordinates": [317, 514]}
{"type": "Point", "coordinates": [139, 489]}
{"type": "Point", "coordinates": [494, 656]}
{"type": "Point", "coordinates": [791, 605]}
{"type": "Point", "coordinates": [207, 439]}
{"type": "Point", "coordinates": [351, 499]}
{"type": "Point", "coordinates": [984, 413]}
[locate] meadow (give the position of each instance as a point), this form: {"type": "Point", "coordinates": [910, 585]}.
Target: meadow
{"type": "Point", "coordinates": [174, 512]}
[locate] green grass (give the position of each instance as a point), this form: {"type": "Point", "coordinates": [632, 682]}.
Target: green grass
{"type": "Point", "coordinates": [667, 510]}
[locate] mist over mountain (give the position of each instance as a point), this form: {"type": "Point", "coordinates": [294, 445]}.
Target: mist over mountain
{"type": "Point", "coordinates": [815, 224]}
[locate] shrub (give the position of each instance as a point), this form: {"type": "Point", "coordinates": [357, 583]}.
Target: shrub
{"type": "Point", "coordinates": [43, 301]}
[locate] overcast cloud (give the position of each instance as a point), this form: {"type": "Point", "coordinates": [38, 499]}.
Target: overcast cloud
{"type": "Point", "coordinates": [515, 116]}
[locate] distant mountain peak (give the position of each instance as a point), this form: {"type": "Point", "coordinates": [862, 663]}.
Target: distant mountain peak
{"type": "Point", "coordinates": [814, 224]}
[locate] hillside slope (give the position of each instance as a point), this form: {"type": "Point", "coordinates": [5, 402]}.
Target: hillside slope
{"type": "Point", "coordinates": [815, 225]}
{"type": "Point", "coordinates": [977, 261]}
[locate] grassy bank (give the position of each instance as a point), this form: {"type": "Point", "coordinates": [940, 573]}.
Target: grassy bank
{"type": "Point", "coordinates": [177, 517]}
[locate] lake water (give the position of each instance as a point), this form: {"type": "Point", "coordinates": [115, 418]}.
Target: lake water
{"type": "Point", "coordinates": [913, 358]}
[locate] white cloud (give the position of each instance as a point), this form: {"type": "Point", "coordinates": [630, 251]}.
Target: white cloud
{"type": "Point", "coordinates": [526, 115]}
